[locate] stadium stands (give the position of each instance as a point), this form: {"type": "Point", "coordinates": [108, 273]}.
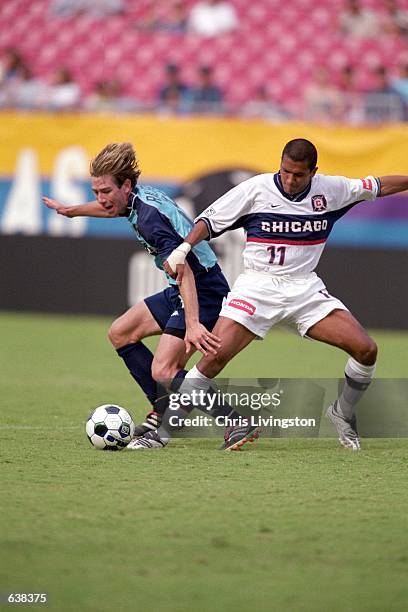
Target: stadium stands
{"type": "Point", "coordinates": [276, 45]}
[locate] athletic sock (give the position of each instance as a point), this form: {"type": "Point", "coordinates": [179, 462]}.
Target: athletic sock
{"type": "Point", "coordinates": [185, 383]}
{"type": "Point", "coordinates": [177, 416]}
{"type": "Point", "coordinates": [357, 379]}
{"type": "Point", "coordinates": [138, 360]}
{"type": "Point", "coordinates": [197, 381]}
{"type": "Point", "coordinates": [173, 419]}
{"type": "Point", "coordinates": [162, 402]}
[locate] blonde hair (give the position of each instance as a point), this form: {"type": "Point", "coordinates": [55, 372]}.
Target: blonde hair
{"type": "Point", "coordinates": [118, 160]}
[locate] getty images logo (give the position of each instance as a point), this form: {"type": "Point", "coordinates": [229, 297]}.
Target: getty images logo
{"type": "Point", "coordinates": [242, 305]}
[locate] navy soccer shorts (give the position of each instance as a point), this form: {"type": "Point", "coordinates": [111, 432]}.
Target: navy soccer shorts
{"type": "Point", "coordinates": [168, 310]}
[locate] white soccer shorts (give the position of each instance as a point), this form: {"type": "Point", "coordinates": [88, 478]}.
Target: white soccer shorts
{"type": "Point", "coordinates": [259, 301]}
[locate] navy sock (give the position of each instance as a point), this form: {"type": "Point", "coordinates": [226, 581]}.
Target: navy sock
{"type": "Point", "coordinates": [161, 404]}
{"type": "Point", "coordinates": [138, 360]}
{"type": "Point", "coordinates": [177, 380]}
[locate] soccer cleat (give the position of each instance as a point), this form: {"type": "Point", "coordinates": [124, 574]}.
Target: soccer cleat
{"type": "Point", "coordinates": [235, 437]}
{"type": "Point", "coordinates": [149, 441]}
{"type": "Point", "coordinates": [151, 423]}
{"type": "Point", "coordinates": [347, 430]}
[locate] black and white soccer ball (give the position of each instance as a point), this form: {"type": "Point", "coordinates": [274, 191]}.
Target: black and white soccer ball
{"type": "Point", "coordinates": [110, 427]}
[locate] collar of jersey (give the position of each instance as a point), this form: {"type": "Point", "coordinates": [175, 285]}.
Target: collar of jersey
{"type": "Point", "coordinates": [130, 205]}
{"type": "Point", "coordinates": [297, 197]}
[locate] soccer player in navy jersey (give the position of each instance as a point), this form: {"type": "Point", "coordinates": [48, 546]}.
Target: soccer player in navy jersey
{"type": "Point", "coordinates": [183, 313]}
{"type": "Point", "coordinates": [287, 217]}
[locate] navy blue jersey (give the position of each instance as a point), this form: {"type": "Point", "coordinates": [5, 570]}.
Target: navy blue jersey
{"type": "Point", "coordinates": [161, 226]}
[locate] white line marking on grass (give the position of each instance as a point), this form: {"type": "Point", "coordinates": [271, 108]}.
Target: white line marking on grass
{"type": "Point", "coordinates": [39, 428]}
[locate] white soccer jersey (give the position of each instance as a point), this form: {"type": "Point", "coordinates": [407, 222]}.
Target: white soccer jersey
{"type": "Point", "coordinates": [286, 235]}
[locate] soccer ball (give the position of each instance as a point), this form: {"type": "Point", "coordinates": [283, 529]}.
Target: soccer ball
{"type": "Point", "coordinates": [110, 427]}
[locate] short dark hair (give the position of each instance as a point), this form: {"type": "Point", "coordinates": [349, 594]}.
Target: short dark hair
{"type": "Point", "coordinates": [300, 150]}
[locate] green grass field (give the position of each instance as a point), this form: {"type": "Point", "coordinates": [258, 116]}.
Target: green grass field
{"type": "Point", "coordinates": [287, 525]}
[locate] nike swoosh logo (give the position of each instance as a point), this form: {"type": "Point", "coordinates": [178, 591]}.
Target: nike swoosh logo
{"type": "Point", "coordinates": [274, 205]}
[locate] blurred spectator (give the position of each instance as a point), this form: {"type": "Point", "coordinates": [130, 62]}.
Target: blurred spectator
{"type": "Point", "coordinates": [172, 103]}
{"type": "Point", "coordinates": [322, 101]}
{"type": "Point", "coordinates": [207, 98]}
{"type": "Point", "coordinates": [27, 91]}
{"type": "Point", "coordinates": [263, 107]}
{"type": "Point", "coordinates": [382, 81]}
{"type": "Point", "coordinates": [394, 21]}
{"type": "Point", "coordinates": [18, 89]}
{"type": "Point", "coordinates": [382, 103]}
{"type": "Point", "coordinates": [174, 20]}
{"type": "Point", "coordinates": [347, 78]}
{"type": "Point", "coordinates": [11, 64]}
{"type": "Point", "coordinates": [399, 85]}
{"type": "Point", "coordinates": [352, 110]}
{"type": "Point", "coordinates": [108, 97]}
{"type": "Point", "coordinates": [174, 96]}
{"type": "Point", "coordinates": [357, 21]}
{"type": "Point", "coordinates": [95, 8]}
{"type": "Point", "coordinates": [62, 94]}
{"type": "Point", "coordinates": [212, 17]}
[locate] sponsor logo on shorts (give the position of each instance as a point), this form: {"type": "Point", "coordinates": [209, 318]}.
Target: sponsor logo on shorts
{"type": "Point", "coordinates": [367, 184]}
{"type": "Point", "coordinates": [242, 305]}
{"type": "Point", "coordinates": [319, 203]}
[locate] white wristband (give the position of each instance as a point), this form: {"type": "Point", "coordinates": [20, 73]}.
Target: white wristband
{"type": "Point", "coordinates": [178, 256]}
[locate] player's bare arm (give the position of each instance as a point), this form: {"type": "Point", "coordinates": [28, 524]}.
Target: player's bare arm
{"type": "Point", "coordinates": [197, 335]}
{"type": "Point", "coordinates": [393, 184]}
{"type": "Point", "coordinates": [174, 265]}
{"type": "Point", "coordinates": [90, 209]}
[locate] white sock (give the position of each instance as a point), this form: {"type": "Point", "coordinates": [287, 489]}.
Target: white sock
{"type": "Point", "coordinates": [195, 380]}
{"type": "Point", "coordinates": [196, 385]}
{"type": "Point", "coordinates": [357, 370]}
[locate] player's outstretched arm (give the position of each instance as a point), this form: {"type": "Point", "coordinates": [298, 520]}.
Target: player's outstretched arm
{"type": "Point", "coordinates": [174, 264]}
{"type": "Point", "coordinates": [90, 209]}
{"type": "Point", "coordinates": [393, 184]}
{"type": "Point", "coordinates": [197, 335]}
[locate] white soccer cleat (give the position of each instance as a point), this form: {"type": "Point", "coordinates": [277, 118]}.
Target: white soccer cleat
{"type": "Point", "coordinates": [151, 423]}
{"type": "Point", "coordinates": [347, 430]}
{"type": "Point", "coordinates": [149, 441]}
{"type": "Point", "coordinates": [353, 445]}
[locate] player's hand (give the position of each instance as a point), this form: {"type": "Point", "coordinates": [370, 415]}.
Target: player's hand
{"type": "Point", "coordinates": [178, 274]}
{"type": "Point", "coordinates": [61, 209]}
{"type": "Point", "coordinates": [199, 337]}
{"type": "Point", "coordinates": [174, 264]}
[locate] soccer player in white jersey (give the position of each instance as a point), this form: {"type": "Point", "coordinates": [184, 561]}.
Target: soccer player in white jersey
{"type": "Point", "coordinates": [287, 218]}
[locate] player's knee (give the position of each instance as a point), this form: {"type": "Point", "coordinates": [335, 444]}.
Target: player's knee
{"type": "Point", "coordinates": [163, 372]}
{"type": "Point", "coordinates": [367, 353]}
{"type": "Point", "coordinates": [114, 335]}
{"type": "Point", "coordinates": [120, 336]}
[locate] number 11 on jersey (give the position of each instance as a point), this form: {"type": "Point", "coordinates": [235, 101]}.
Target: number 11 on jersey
{"type": "Point", "coordinates": [277, 255]}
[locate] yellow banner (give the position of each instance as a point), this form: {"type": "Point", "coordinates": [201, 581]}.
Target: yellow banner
{"type": "Point", "coordinates": [182, 148]}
